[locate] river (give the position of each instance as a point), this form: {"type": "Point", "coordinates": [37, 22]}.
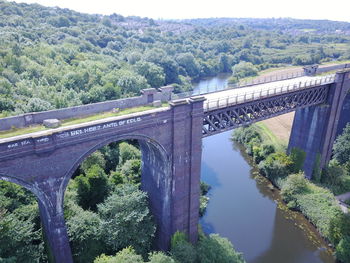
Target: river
{"type": "Point", "coordinates": [245, 208]}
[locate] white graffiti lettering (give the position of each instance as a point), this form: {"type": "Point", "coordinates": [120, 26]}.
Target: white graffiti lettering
{"type": "Point", "coordinates": [43, 140]}
{"type": "Point", "coordinates": [101, 127]}
{"type": "Point", "coordinates": [13, 145]}
{"type": "Point", "coordinates": [25, 142]}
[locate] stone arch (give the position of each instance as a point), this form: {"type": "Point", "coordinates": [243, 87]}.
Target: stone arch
{"type": "Point", "coordinates": [34, 190]}
{"type": "Point", "coordinates": [156, 177]}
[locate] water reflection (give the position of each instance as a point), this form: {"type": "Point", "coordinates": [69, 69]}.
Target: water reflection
{"type": "Point", "coordinates": [245, 209]}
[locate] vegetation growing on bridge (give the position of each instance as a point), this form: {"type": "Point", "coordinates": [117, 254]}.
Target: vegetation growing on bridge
{"type": "Point", "coordinates": [315, 199]}
{"type": "Point", "coordinates": [54, 58]}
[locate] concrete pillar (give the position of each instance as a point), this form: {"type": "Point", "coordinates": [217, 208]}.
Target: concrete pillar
{"type": "Point", "coordinates": [52, 218]}
{"type": "Point", "coordinates": [315, 128]}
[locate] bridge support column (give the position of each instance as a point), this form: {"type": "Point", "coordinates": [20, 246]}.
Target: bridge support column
{"type": "Point", "coordinates": [344, 115]}
{"type": "Point", "coordinates": [315, 128]}
{"type": "Point", "coordinates": [187, 151]}
{"type": "Point", "coordinates": [52, 218]}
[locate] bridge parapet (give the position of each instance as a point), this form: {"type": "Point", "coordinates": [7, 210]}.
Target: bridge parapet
{"type": "Point", "coordinates": [241, 98]}
{"type": "Point", "coordinates": [24, 120]}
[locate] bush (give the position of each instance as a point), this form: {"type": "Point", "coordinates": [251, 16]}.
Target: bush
{"type": "Point", "coordinates": [295, 184]}
{"type": "Point", "coordinates": [181, 250]}
{"type": "Point", "coordinates": [216, 249]}
{"type": "Point", "coordinates": [127, 255]}
{"type": "Point", "coordinates": [275, 166]}
{"type": "Point", "coordinates": [297, 157]}
{"type": "Point", "coordinates": [342, 251]}
{"type": "Point", "coordinates": [159, 257]}
{"type": "Point", "coordinates": [317, 204]}
{"type": "Point", "coordinates": [341, 148]}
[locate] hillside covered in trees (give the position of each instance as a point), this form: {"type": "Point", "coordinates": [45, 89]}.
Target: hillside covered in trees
{"type": "Point", "coordinates": [53, 58]}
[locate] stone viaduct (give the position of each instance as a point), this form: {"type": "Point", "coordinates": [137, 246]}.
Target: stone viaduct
{"type": "Point", "coordinates": [171, 144]}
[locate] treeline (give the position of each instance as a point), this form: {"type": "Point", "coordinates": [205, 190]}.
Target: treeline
{"type": "Point", "coordinates": [316, 198]}
{"type": "Point", "coordinates": [53, 58]}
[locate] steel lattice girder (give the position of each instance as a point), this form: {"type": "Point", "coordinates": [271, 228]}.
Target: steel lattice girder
{"type": "Point", "coordinates": [231, 117]}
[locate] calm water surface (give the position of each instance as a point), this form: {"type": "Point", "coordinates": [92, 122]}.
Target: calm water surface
{"type": "Point", "coordinates": [246, 209]}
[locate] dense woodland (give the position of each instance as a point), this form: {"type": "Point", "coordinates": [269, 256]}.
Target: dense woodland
{"type": "Point", "coordinates": [53, 58]}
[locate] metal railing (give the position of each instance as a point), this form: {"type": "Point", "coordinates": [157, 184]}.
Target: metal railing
{"type": "Point", "coordinates": [242, 84]}
{"type": "Point", "coordinates": [264, 93]}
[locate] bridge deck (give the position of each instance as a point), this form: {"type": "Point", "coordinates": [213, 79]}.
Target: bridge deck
{"type": "Point", "coordinates": [222, 99]}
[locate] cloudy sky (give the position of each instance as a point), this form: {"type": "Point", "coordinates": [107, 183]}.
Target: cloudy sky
{"type": "Point", "coordinates": [308, 9]}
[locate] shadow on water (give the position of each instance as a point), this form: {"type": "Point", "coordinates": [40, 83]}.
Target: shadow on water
{"type": "Point", "coordinates": [246, 209]}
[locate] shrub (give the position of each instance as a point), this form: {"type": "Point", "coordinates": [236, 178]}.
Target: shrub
{"type": "Point", "coordinates": [297, 157]}
{"type": "Point", "coordinates": [295, 184]}
{"type": "Point", "coordinates": [275, 166]}
{"type": "Point", "coordinates": [181, 250]}
{"type": "Point", "coordinates": [216, 249]}
{"type": "Point", "coordinates": [159, 257]}
{"type": "Point", "coordinates": [343, 250]}
{"type": "Point", "coordinates": [127, 255]}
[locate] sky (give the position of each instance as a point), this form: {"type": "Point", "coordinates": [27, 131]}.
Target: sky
{"type": "Point", "coordinates": [338, 10]}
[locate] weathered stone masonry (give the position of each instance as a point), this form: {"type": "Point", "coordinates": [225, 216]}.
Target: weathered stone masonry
{"type": "Point", "coordinates": [170, 141]}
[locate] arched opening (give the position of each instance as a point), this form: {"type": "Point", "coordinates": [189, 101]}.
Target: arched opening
{"type": "Point", "coordinates": [21, 236]}
{"type": "Point", "coordinates": [117, 195]}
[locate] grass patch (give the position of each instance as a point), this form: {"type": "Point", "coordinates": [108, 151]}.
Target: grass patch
{"type": "Point", "coordinates": [268, 136]}
{"type": "Point", "coordinates": [73, 121]}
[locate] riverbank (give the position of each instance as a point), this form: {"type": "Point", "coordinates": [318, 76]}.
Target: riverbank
{"type": "Point", "coordinates": [317, 204]}
{"type": "Point", "coordinates": [247, 209]}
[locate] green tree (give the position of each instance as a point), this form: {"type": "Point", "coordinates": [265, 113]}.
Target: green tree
{"type": "Point", "coordinates": [181, 250]}
{"type": "Point", "coordinates": [153, 73]}
{"type": "Point", "coordinates": [96, 158]}
{"type": "Point", "coordinates": [131, 170]}
{"type": "Point", "coordinates": [127, 255]}
{"type": "Point", "coordinates": [92, 188]}
{"type": "Point", "coordinates": [19, 239]}
{"type": "Point", "coordinates": [84, 230]}
{"type": "Point", "coordinates": [342, 251]}
{"type": "Point", "coordinates": [159, 257]}
{"type": "Point", "coordinates": [126, 220]}
{"type": "Point", "coordinates": [216, 249]}
{"type": "Point", "coordinates": [341, 148]}
{"type": "Point", "coordinates": [128, 151]}
{"type": "Point", "coordinates": [244, 69]}
{"type": "Point", "coordinates": [295, 184]}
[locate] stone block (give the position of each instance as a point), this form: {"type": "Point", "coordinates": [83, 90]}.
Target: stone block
{"type": "Point", "coordinates": [157, 103]}
{"type": "Point", "coordinates": [51, 123]}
